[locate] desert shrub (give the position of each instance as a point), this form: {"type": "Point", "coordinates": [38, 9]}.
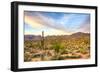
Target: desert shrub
{"type": "Point", "coordinates": [83, 50]}
{"type": "Point", "coordinates": [59, 48]}
{"type": "Point", "coordinates": [27, 56]}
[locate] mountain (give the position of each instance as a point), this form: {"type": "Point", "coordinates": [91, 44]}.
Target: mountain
{"type": "Point", "coordinates": [32, 37]}
{"type": "Point", "coordinates": [80, 34]}
{"type": "Point", "coordinates": [74, 35]}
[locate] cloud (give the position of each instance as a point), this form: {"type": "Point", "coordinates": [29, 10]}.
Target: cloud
{"type": "Point", "coordinates": [39, 19]}
{"type": "Point", "coordinates": [50, 32]}
{"type": "Point", "coordinates": [85, 27]}
{"type": "Point", "coordinates": [68, 23]}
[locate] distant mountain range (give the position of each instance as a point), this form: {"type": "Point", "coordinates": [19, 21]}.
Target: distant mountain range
{"type": "Point", "coordinates": [32, 37]}
{"type": "Point", "coordinates": [78, 34]}
{"type": "Point", "coordinates": [74, 35]}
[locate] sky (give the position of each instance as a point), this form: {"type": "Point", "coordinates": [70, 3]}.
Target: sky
{"type": "Point", "coordinates": [55, 23]}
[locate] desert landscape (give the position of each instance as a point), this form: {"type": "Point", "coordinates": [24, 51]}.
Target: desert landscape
{"type": "Point", "coordinates": [63, 47]}
{"type": "Point", "coordinates": [50, 36]}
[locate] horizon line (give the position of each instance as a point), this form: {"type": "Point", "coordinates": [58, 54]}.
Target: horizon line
{"type": "Point", "coordinates": [59, 34]}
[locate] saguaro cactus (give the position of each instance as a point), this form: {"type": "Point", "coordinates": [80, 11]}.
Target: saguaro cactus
{"type": "Point", "coordinates": [42, 41]}
{"type": "Point", "coordinates": [42, 45]}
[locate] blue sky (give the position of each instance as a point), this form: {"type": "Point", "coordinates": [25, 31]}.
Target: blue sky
{"type": "Point", "coordinates": [56, 23]}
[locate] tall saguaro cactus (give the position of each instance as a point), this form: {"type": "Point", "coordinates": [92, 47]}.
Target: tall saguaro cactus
{"type": "Point", "coordinates": [42, 45]}
{"type": "Point", "coordinates": [42, 42]}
